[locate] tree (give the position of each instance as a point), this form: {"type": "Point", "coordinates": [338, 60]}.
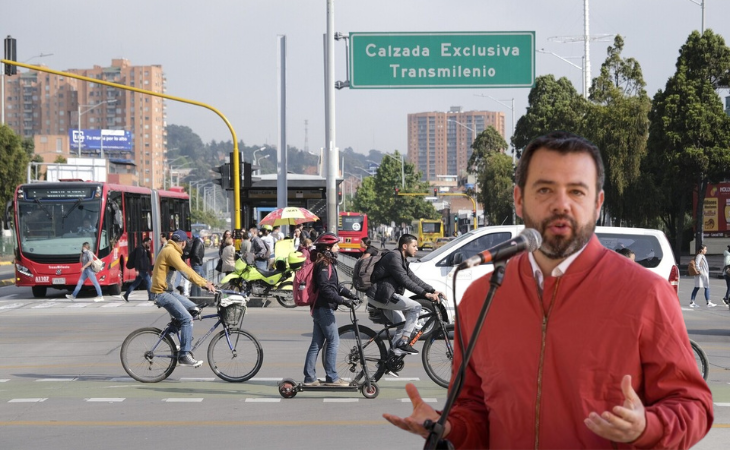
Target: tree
{"type": "Point", "coordinates": [13, 163]}
{"type": "Point", "coordinates": [689, 133]}
{"type": "Point", "coordinates": [617, 122]}
{"type": "Point", "coordinates": [376, 195]}
{"type": "Point", "coordinates": [487, 141]}
{"type": "Point", "coordinates": [496, 187]}
{"type": "Point", "coordinates": [553, 105]}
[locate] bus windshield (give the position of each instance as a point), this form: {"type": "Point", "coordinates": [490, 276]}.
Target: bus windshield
{"type": "Point", "coordinates": [58, 226]}
{"type": "Point", "coordinates": [350, 223]}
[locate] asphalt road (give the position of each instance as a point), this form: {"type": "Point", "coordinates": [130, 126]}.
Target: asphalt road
{"type": "Point", "coordinates": [62, 385]}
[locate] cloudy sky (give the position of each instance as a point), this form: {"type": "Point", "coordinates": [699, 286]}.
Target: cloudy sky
{"type": "Point", "coordinates": [224, 53]}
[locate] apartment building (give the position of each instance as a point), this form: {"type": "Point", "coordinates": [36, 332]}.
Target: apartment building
{"type": "Point", "coordinates": [439, 143]}
{"type": "Point", "coordinates": [43, 104]}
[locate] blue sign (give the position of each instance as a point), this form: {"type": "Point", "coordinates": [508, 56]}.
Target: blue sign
{"type": "Point", "coordinates": [91, 140]}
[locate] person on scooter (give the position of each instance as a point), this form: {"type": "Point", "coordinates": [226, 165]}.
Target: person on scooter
{"type": "Point", "coordinates": [391, 277]}
{"type": "Point", "coordinates": [176, 304]}
{"type": "Point", "coordinates": [330, 296]}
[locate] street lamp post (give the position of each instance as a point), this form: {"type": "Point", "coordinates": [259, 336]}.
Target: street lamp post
{"type": "Point", "coordinates": [78, 130]}
{"type": "Point", "coordinates": [582, 69]}
{"type": "Point", "coordinates": [170, 166]}
{"type": "Point", "coordinates": [701, 4]}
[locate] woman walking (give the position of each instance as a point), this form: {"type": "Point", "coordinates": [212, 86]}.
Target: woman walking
{"type": "Point", "coordinates": [323, 313]}
{"type": "Point", "coordinates": [703, 279]}
{"type": "Point", "coordinates": [86, 258]}
{"type": "Point", "coordinates": [228, 256]}
{"type": "Point", "coordinates": [726, 274]}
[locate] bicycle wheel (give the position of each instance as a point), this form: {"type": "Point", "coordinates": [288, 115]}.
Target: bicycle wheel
{"type": "Point", "coordinates": [147, 356]}
{"type": "Point", "coordinates": [348, 356]}
{"type": "Point", "coordinates": [438, 355]}
{"type": "Point", "coordinates": [360, 295]}
{"type": "Point", "coordinates": [701, 358]}
{"type": "Point", "coordinates": [235, 358]}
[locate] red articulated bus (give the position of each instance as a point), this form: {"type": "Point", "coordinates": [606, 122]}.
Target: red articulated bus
{"type": "Point", "coordinates": [51, 220]}
{"type": "Point", "coordinates": [351, 228]}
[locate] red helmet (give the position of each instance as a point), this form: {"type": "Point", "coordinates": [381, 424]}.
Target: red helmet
{"type": "Point", "coordinates": [327, 239]}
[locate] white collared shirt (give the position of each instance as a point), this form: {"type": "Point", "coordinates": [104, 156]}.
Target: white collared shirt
{"type": "Point", "coordinates": [558, 271]}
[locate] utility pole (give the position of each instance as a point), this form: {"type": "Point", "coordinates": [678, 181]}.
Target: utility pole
{"type": "Point", "coordinates": [332, 151]}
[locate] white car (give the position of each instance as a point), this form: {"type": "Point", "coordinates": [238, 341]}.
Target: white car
{"type": "Point", "coordinates": [651, 247]}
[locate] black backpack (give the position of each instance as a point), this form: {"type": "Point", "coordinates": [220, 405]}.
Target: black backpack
{"type": "Point", "coordinates": [363, 271]}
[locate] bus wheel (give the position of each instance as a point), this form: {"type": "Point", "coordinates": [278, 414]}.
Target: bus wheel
{"type": "Point", "coordinates": [39, 291]}
{"type": "Point", "coordinates": [116, 289]}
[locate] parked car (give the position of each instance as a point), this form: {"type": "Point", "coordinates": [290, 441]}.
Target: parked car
{"type": "Point", "coordinates": [651, 247]}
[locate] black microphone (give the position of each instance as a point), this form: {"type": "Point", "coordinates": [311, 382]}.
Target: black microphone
{"type": "Point", "coordinates": [529, 240]}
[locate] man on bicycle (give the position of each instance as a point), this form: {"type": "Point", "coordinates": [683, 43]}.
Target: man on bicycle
{"type": "Point", "coordinates": [391, 277]}
{"type": "Point", "coordinates": [179, 306]}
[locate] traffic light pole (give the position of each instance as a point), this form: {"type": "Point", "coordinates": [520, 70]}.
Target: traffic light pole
{"type": "Point", "coordinates": [236, 169]}
{"type": "Point", "coordinates": [452, 194]}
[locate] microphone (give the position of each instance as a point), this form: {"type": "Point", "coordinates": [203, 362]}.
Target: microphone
{"type": "Point", "coordinates": [529, 240]}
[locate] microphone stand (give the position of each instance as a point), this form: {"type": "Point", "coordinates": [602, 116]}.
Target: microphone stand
{"type": "Point", "coordinates": [434, 441]}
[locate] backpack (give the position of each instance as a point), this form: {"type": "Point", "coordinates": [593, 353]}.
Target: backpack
{"type": "Point", "coordinates": [364, 267]}
{"type": "Point", "coordinates": [303, 289]}
{"type": "Point", "coordinates": [130, 260]}
{"type": "Point", "coordinates": [692, 268]}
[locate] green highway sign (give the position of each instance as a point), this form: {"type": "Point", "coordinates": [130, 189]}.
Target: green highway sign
{"type": "Point", "coordinates": [442, 60]}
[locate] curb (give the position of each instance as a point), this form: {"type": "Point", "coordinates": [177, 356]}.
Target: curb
{"type": "Point", "coordinates": [5, 263]}
{"type": "Point", "coordinates": [7, 282]}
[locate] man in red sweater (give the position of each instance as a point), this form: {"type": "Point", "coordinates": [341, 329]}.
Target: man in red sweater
{"type": "Point", "coordinates": [580, 349]}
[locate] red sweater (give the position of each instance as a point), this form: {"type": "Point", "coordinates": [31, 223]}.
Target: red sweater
{"type": "Point", "coordinates": [538, 371]}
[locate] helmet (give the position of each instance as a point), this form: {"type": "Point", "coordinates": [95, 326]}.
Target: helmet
{"type": "Point", "coordinates": [267, 227]}
{"type": "Point", "coordinates": [327, 239]}
{"type": "Point", "coordinates": [296, 260]}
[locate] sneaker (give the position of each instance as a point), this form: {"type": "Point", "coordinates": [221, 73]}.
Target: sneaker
{"type": "Point", "coordinates": [70, 297]}
{"type": "Point", "coordinates": [711, 305]}
{"type": "Point", "coordinates": [693, 305]}
{"type": "Point", "coordinates": [406, 347]}
{"type": "Point", "coordinates": [726, 301]}
{"type": "Point", "coordinates": [125, 296]}
{"type": "Point", "coordinates": [391, 373]}
{"type": "Point", "coordinates": [339, 382]}
{"type": "Point", "coordinates": [188, 361]}
{"type": "Point", "coordinates": [98, 299]}
{"type": "Point", "coordinates": [311, 383]}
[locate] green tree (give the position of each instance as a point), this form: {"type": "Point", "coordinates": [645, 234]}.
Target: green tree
{"type": "Point", "coordinates": [553, 105]}
{"type": "Point", "coordinates": [487, 141]}
{"type": "Point", "coordinates": [689, 133]}
{"type": "Point", "coordinates": [617, 121]}
{"type": "Point", "coordinates": [13, 163]}
{"type": "Point", "coordinates": [377, 195]}
{"type": "Point", "coordinates": [496, 188]}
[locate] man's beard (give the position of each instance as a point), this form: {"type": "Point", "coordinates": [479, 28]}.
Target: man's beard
{"type": "Point", "coordinates": [560, 247]}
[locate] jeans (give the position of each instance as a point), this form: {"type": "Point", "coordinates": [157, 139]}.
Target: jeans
{"type": "Point", "coordinates": [325, 328]}
{"type": "Point", "coordinates": [195, 290]}
{"type": "Point", "coordinates": [87, 273]}
{"type": "Point", "coordinates": [707, 294]}
{"type": "Point", "coordinates": [141, 276]}
{"type": "Point", "coordinates": [404, 309]}
{"type": "Point", "coordinates": [178, 305]}
{"type": "Point", "coordinates": [727, 283]}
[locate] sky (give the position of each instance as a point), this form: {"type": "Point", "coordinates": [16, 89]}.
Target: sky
{"type": "Point", "coordinates": [224, 53]}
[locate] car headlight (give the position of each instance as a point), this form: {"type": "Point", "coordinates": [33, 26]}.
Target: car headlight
{"type": "Point", "coordinates": [23, 270]}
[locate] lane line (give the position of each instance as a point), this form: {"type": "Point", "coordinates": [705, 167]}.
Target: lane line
{"type": "Point", "coordinates": [400, 379]}
{"type": "Point", "coordinates": [78, 305]}
{"type": "Point", "coordinates": [112, 305]}
{"type": "Point", "coordinates": [105, 400]}
{"type": "Point", "coordinates": [56, 379]}
{"type": "Point", "coordinates": [45, 305]}
{"type": "Point", "coordinates": [722, 404]}
{"type": "Point", "coordinates": [341, 400]}
{"type": "Point", "coordinates": [197, 379]}
{"type": "Point", "coordinates": [27, 400]}
{"type": "Point", "coordinates": [263, 400]}
{"type": "Point", "coordinates": [182, 400]}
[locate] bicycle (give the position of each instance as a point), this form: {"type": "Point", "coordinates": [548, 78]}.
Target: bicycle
{"type": "Point", "coordinates": [701, 358]}
{"type": "Point", "coordinates": [437, 353]}
{"type": "Point", "coordinates": [149, 355]}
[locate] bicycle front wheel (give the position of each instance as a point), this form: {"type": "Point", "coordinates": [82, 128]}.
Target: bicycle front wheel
{"type": "Point", "coordinates": [147, 356]}
{"type": "Point", "coordinates": [701, 358]}
{"type": "Point", "coordinates": [438, 355]}
{"type": "Point", "coordinates": [348, 363]}
{"type": "Point", "coordinates": [235, 357]}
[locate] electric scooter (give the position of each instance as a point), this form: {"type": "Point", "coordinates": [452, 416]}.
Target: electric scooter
{"type": "Point", "coordinates": [288, 388]}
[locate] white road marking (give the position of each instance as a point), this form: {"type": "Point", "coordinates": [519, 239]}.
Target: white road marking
{"type": "Point", "coordinates": [265, 379]}
{"type": "Point", "coordinates": [341, 400]}
{"type": "Point", "coordinates": [27, 400]}
{"type": "Point", "coordinates": [197, 379]}
{"type": "Point", "coordinates": [121, 379]}
{"type": "Point", "coordinates": [3, 381]}
{"type": "Point", "coordinates": [5, 297]}
{"type": "Point", "coordinates": [263, 400]}
{"type": "Point", "coordinates": [57, 379]}
{"type": "Point", "coordinates": [400, 379]}
{"type": "Point", "coordinates": [111, 305]}
{"type": "Point", "coordinates": [12, 306]}
{"type": "Point", "coordinates": [144, 305]}
{"type": "Point", "coordinates": [78, 305]}
{"type": "Point", "coordinates": [426, 400]}
{"type": "Point", "coordinates": [105, 400]}
{"type": "Point", "coordinates": [722, 404]}
{"type": "Point", "coordinates": [182, 400]}
{"type": "Point", "coordinates": [45, 305]}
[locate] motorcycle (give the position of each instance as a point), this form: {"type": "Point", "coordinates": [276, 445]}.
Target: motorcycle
{"type": "Point", "coordinates": [255, 282]}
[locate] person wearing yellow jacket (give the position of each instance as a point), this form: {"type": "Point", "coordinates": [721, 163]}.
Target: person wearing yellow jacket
{"type": "Point", "coordinates": [175, 303]}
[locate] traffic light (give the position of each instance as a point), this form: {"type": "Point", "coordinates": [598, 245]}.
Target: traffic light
{"type": "Point", "coordinates": [435, 192]}
{"type": "Point", "coordinates": [11, 54]}
{"type": "Point", "coordinates": [339, 194]}
{"type": "Point", "coordinates": [456, 218]}
{"type": "Point", "coordinates": [397, 191]}
{"type": "Point", "coordinates": [225, 180]}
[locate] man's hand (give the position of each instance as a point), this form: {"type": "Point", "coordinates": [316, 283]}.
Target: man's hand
{"type": "Point", "coordinates": [210, 287]}
{"type": "Point", "coordinates": [626, 423]}
{"type": "Point", "coordinates": [421, 412]}
{"type": "Point", "coordinates": [435, 296]}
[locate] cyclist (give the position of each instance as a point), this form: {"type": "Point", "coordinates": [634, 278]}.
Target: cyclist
{"type": "Point", "coordinates": [391, 277]}
{"type": "Point", "coordinates": [176, 304]}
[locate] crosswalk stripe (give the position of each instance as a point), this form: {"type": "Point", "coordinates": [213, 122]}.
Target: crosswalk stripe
{"type": "Point", "coordinates": [12, 306]}
{"type": "Point", "coordinates": [182, 400]}
{"type": "Point", "coordinates": [27, 400]}
{"type": "Point", "coordinates": [722, 404]}
{"type": "Point", "coordinates": [45, 305]}
{"type": "Point", "coordinates": [111, 305]}
{"type": "Point", "coordinates": [78, 305]}
{"type": "Point", "coordinates": [105, 400]}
